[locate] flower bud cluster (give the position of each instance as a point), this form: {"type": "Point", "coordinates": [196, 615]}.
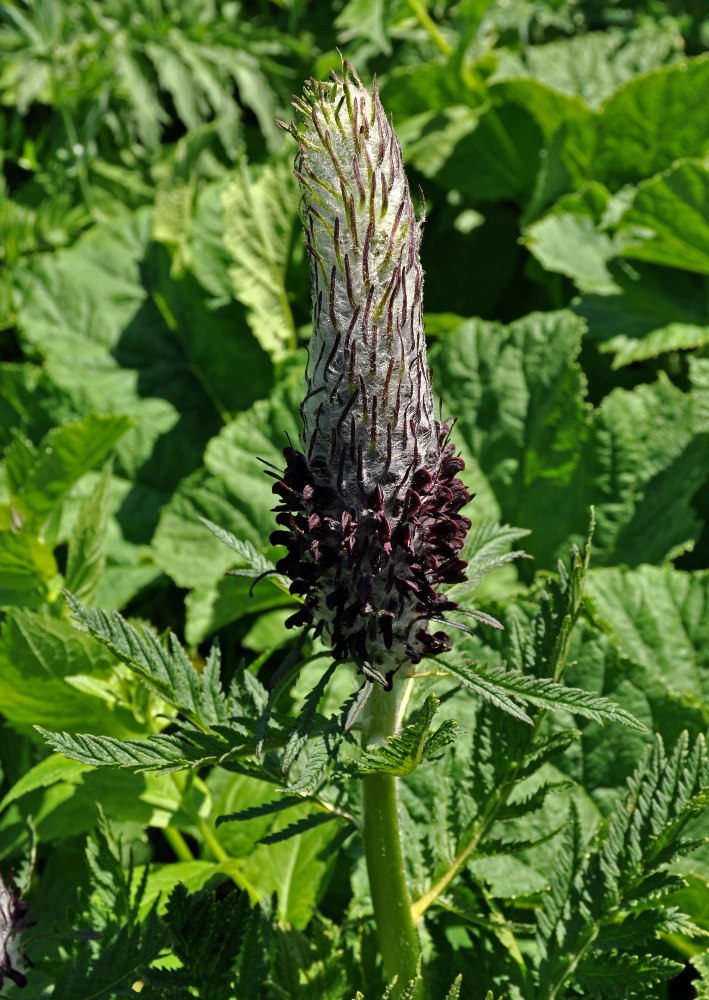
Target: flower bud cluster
{"type": "Point", "coordinates": [370, 507]}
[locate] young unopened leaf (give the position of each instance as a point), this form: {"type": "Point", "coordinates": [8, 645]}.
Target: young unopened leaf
{"type": "Point", "coordinates": [402, 753]}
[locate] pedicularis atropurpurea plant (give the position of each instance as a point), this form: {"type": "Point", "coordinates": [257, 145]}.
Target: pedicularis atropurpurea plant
{"type": "Point", "coordinates": [371, 505]}
{"type": "Point", "coordinates": [370, 515]}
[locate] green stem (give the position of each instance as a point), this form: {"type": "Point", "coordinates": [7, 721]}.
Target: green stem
{"type": "Point", "coordinates": [211, 841]}
{"type": "Point", "coordinates": [178, 843]}
{"type": "Point", "coordinates": [426, 21]}
{"type": "Point", "coordinates": [208, 835]}
{"type": "Point", "coordinates": [396, 931]}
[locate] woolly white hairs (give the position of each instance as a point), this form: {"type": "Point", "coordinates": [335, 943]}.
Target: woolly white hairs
{"type": "Point", "coordinates": [368, 414]}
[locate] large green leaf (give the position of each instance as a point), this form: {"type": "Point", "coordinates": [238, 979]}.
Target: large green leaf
{"type": "Point", "coordinates": [66, 801]}
{"type": "Point", "coordinates": [42, 476]}
{"type": "Point", "coordinates": [367, 18]}
{"type": "Point", "coordinates": [486, 156]}
{"type": "Point", "coordinates": [260, 225]}
{"type": "Point", "coordinates": [699, 376]}
{"type": "Point", "coordinates": [648, 650]}
{"type": "Point", "coordinates": [519, 404]}
{"type": "Point", "coordinates": [574, 239]}
{"type": "Point", "coordinates": [52, 675]}
{"type": "Point", "coordinates": [519, 397]}
{"type": "Point", "coordinates": [572, 245]}
{"type": "Point", "coordinates": [605, 757]}
{"type": "Point", "coordinates": [644, 464]}
{"type": "Point", "coordinates": [550, 108]}
{"type": "Point", "coordinates": [659, 618]}
{"type": "Point", "coordinates": [641, 310]}
{"type": "Point", "coordinates": [149, 347]}
{"type": "Point", "coordinates": [208, 258]}
{"type": "Point", "coordinates": [652, 310]}
{"type": "Point", "coordinates": [672, 213]}
{"type": "Point", "coordinates": [297, 869]}
{"type": "Point", "coordinates": [29, 574]}
{"type": "Point", "coordinates": [654, 119]}
{"type": "Point", "coordinates": [86, 557]}
{"type": "Point", "coordinates": [408, 90]}
{"type": "Point", "coordinates": [591, 65]}
{"type": "Point", "coordinates": [29, 402]}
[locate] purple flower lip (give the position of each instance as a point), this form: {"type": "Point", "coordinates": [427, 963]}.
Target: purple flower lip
{"type": "Point", "coordinates": [370, 506]}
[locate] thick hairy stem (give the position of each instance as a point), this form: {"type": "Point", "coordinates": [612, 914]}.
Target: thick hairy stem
{"type": "Point", "coordinates": [396, 931]}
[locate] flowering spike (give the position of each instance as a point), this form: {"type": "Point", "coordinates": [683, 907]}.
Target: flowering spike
{"type": "Point", "coordinates": [372, 513]}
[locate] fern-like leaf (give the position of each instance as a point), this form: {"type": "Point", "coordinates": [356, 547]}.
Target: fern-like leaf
{"type": "Point", "coordinates": [612, 901]}
{"type": "Point", "coordinates": [488, 547]}
{"type": "Point", "coordinates": [454, 992]}
{"type": "Point", "coordinates": [401, 754]}
{"type": "Point", "coordinates": [507, 688]}
{"type": "Point", "coordinates": [266, 809]}
{"type": "Point", "coordinates": [701, 985]}
{"type": "Point", "coordinates": [169, 673]}
{"type": "Point", "coordinates": [413, 984]}
{"type": "Point", "coordinates": [306, 720]}
{"type": "Point", "coordinates": [284, 676]}
{"type": "Point", "coordinates": [623, 976]}
{"type": "Point", "coordinates": [258, 565]}
{"type": "Point", "coordinates": [123, 954]}
{"type": "Point", "coordinates": [171, 752]}
{"type": "Point", "coordinates": [300, 826]}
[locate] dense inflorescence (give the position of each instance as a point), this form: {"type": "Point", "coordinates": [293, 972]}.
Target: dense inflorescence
{"type": "Point", "coordinates": [370, 509]}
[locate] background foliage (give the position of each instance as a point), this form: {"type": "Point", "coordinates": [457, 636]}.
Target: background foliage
{"type": "Point", "coordinates": [154, 304]}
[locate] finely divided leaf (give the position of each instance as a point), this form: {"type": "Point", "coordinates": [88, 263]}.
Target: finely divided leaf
{"type": "Point", "coordinates": [613, 898]}
{"type": "Point", "coordinates": [623, 976]}
{"type": "Point", "coordinates": [169, 674]}
{"type": "Point", "coordinates": [185, 748]}
{"type": "Point", "coordinates": [281, 681]}
{"type": "Point", "coordinates": [300, 826]}
{"type": "Point", "coordinates": [402, 753]}
{"type": "Point", "coordinates": [277, 805]}
{"type": "Point", "coordinates": [488, 547]}
{"type": "Point", "coordinates": [123, 954]}
{"type": "Point", "coordinates": [454, 992]}
{"type": "Point", "coordinates": [258, 564]}
{"type": "Point", "coordinates": [306, 721]}
{"type": "Point", "coordinates": [508, 688]}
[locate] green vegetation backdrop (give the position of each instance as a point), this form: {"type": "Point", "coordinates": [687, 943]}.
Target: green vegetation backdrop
{"type": "Point", "coordinates": [154, 306]}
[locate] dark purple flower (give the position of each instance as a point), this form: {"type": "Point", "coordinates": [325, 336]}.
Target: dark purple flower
{"type": "Point", "coordinates": [369, 509]}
